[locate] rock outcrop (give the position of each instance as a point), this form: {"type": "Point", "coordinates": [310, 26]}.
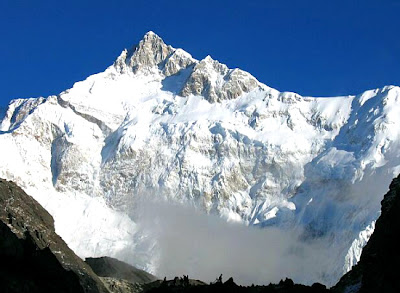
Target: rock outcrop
{"type": "Point", "coordinates": [113, 268]}
{"type": "Point", "coordinates": [217, 82]}
{"type": "Point", "coordinates": [33, 258]}
{"type": "Point", "coordinates": [208, 78]}
{"type": "Point", "coordinates": [378, 268]}
{"type": "Point", "coordinates": [152, 54]}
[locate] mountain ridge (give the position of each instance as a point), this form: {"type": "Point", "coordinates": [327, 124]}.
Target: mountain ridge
{"type": "Point", "coordinates": [161, 123]}
{"type": "Point", "coordinates": [34, 258]}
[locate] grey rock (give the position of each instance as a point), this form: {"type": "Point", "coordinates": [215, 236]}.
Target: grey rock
{"type": "Point", "coordinates": [149, 53]}
{"type": "Point", "coordinates": [216, 82]}
{"type": "Point", "coordinates": [209, 78]}
{"type": "Point", "coordinates": [176, 62]}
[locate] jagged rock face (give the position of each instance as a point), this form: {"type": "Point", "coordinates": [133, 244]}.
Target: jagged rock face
{"type": "Point", "coordinates": [152, 53]}
{"type": "Point", "coordinates": [208, 78]}
{"type": "Point", "coordinates": [216, 82]}
{"type": "Point", "coordinates": [161, 123]}
{"type": "Point", "coordinates": [377, 270]}
{"type": "Point", "coordinates": [177, 61]}
{"type": "Point", "coordinates": [33, 257]}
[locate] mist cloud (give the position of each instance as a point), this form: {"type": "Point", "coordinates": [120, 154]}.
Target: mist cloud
{"type": "Point", "coordinates": [182, 240]}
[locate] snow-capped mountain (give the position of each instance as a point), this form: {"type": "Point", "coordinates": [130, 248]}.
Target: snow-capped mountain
{"type": "Point", "coordinates": [160, 123]}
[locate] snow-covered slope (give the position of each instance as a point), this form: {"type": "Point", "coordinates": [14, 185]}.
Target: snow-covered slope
{"type": "Point", "coordinates": [160, 123]}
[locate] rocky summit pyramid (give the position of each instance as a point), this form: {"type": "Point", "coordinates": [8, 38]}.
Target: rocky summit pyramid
{"type": "Point", "coordinates": [160, 123]}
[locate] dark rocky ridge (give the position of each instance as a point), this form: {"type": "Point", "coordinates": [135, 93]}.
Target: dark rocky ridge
{"type": "Point", "coordinates": [33, 258]}
{"type": "Point", "coordinates": [284, 286]}
{"type": "Point", "coordinates": [378, 268]}
{"type": "Point", "coordinates": [111, 267]}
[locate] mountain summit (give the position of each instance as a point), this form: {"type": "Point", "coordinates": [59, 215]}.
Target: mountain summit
{"type": "Point", "coordinates": [208, 77]}
{"type": "Point", "coordinates": [150, 52]}
{"type": "Point", "coordinates": [160, 124]}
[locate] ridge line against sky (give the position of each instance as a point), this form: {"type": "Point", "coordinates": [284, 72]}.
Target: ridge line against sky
{"type": "Point", "coordinates": [314, 48]}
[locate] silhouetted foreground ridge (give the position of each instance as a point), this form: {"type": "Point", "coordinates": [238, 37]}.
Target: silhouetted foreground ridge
{"type": "Point", "coordinates": [378, 268]}
{"type": "Point", "coordinates": [33, 258]}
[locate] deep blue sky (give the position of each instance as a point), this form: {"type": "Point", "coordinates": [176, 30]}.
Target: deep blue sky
{"type": "Point", "coordinates": [318, 48]}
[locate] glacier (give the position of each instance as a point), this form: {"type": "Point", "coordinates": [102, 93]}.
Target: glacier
{"type": "Point", "coordinates": [160, 124]}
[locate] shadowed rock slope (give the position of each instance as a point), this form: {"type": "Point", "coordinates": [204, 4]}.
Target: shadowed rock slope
{"type": "Point", "coordinates": [378, 268]}
{"type": "Point", "coordinates": [113, 268]}
{"type": "Point", "coordinates": [33, 258]}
